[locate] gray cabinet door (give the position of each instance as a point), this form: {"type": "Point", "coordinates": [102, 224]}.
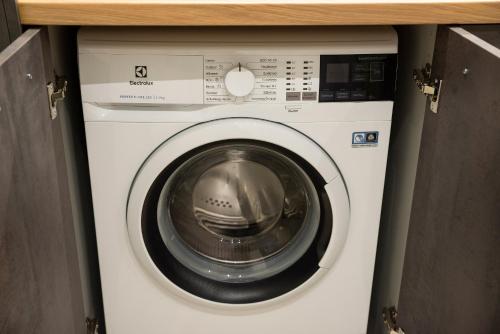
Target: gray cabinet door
{"type": "Point", "coordinates": [40, 289]}
{"type": "Point", "coordinates": [451, 276]}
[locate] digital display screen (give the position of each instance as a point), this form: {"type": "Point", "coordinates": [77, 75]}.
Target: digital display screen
{"type": "Point", "coordinates": [337, 73]}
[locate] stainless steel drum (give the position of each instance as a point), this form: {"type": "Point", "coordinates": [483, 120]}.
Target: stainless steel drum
{"type": "Point", "coordinates": [238, 198]}
{"type": "Point", "coordinates": [238, 212]}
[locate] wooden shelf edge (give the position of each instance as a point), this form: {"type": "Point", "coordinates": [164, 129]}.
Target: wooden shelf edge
{"type": "Point", "coordinates": [145, 13]}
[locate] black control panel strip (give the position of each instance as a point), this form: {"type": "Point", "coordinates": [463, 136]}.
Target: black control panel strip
{"type": "Point", "coordinates": [363, 77]}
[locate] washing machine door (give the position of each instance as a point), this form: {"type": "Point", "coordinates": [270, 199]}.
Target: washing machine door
{"type": "Point", "coordinates": [237, 210]}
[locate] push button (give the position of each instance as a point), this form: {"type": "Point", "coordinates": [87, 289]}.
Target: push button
{"type": "Point", "coordinates": [342, 95]}
{"type": "Point", "coordinates": [309, 96]}
{"type": "Point", "coordinates": [293, 96]}
{"type": "Point", "coordinates": [358, 94]}
{"type": "Point", "coordinates": [376, 71]}
{"type": "Point", "coordinates": [325, 96]}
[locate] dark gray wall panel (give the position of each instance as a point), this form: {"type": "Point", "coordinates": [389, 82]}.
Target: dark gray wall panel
{"type": "Point", "coordinates": [10, 25]}
{"type": "Point", "coordinates": [4, 30]}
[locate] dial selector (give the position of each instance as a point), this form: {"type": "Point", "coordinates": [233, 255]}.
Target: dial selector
{"type": "Point", "coordinates": [239, 81]}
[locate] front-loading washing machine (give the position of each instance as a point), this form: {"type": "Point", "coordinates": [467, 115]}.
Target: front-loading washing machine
{"type": "Point", "coordinates": [237, 175]}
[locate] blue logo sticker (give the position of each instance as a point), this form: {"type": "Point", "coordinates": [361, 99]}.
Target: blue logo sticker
{"type": "Point", "coordinates": [365, 138]}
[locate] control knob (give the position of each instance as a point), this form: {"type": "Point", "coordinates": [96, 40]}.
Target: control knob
{"type": "Point", "coordinates": [239, 81]}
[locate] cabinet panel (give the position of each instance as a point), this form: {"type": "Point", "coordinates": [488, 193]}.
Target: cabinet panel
{"type": "Point", "coordinates": [451, 277]}
{"type": "Point", "coordinates": [40, 289]}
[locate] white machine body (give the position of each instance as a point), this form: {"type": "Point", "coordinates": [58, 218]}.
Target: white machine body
{"type": "Point", "coordinates": [150, 96]}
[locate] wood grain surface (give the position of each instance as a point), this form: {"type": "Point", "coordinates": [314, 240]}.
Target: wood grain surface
{"type": "Point", "coordinates": [256, 12]}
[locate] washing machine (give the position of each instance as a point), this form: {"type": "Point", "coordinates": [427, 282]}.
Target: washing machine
{"type": "Point", "coordinates": [237, 175]}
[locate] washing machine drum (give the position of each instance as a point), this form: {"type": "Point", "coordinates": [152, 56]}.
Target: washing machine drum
{"type": "Point", "coordinates": [237, 221]}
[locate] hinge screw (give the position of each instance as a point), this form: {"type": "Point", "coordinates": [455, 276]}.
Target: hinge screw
{"type": "Point", "coordinates": [29, 76]}
{"type": "Point", "coordinates": [465, 71]}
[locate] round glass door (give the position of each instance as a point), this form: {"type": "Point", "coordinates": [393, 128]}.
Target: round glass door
{"type": "Point", "coordinates": [238, 212]}
{"type": "Point", "coordinates": [233, 221]}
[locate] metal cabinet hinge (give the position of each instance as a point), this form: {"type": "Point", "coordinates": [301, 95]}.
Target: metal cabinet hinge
{"type": "Point", "coordinates": [92, 326]}
{"type": "Point", "coordinates": [56, 91]}
{"type": "Point", "coordinates": [390, 316]}
{"type": "Point", "coordinates": [429, 87]}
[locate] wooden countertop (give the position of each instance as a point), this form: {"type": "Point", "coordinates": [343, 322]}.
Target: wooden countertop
{"type": "Point", "coordinates": [256, 12]}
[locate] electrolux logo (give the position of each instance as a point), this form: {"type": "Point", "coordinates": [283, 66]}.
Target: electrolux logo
{"type": "Point", "coordinates": [141, 72]}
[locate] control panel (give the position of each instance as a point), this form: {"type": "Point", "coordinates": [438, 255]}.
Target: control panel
{"type": "Point", "coordinates": [366, 77]}
{"type": "Point", "coordinates": [265, 79]}
{"type": "Point", "coordinates": [225, 79]}
{"type": "Point", "coordinates": [325, 78]}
